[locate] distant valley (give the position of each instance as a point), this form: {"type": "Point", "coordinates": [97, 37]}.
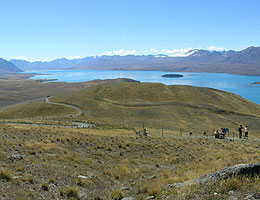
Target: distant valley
{"type": "Point", "coordinates": [245, 62]}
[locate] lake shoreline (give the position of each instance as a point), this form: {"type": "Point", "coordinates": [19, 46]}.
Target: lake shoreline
{"type": "Point", "coordinates": [238, 84]}
{"type": "Point", "coordinates": [155, 70]}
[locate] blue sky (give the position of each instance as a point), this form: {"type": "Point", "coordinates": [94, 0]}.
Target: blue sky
{"type": "Point", "coordinates": [48, 29]}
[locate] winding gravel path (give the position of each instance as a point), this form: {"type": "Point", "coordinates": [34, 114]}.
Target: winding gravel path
{"type": "Point", "coordinates": [79, 111]}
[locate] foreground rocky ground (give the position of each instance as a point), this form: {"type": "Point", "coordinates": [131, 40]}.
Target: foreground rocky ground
{"type": "Point", "coordinates": [109, 163]}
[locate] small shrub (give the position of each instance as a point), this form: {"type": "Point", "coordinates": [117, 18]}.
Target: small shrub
{"type": "Point", "coordinates": [107, 171]}
{"type": "Point", "coordinates": [142, 188]}
{"type": "Point", "coordinates": [70, 192]}
{"type": "Point", "coordinates": [123, 171]}
{"type": "Point", "coordinates": [116, 195]}
{"type": "Point", "coordinates": [31, 180]}
{"type": "Point", "coordinates": [82, 182]}
{"type": "Point", "coordinates": [155, 189]}
{"type": "Point", "coordinates": [51, 180]}
{"type": "Point", "coordinates": [45, 187]}
{"type": "Point", "coordinates": [98, 198]}
{"type": "Point", "coordinates": [5, 176]}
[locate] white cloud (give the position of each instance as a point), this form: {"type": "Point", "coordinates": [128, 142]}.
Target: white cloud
{"type": "Point", "coordinates": [153, 50]}
{"type": "Point", "coordinates": [107, 53]}
{"type": "Point", "coordinates": [29, 60]}
{"type": "Point", "coordinates": [130, 52]}
{"type": "Point", "coordinates": [213, 48]}
{"type": "Point", "coordinates": [74, 57]}
{"type": "Point", "coordinates": [120, 52]}
{"type": "Point", "coordinates": [19, 58]}
{"type": "Point", "coordinates": [176, 52]}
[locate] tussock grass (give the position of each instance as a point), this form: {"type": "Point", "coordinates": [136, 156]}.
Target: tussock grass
{"type": "Point", "coordinates": [114, 158]}
{"type": "Point", "coordinates": [116, 195]}
{"type": "Point", "coordinates": [5, 176]}
{"type": "Point", "coordinates": [237, 186]}
{"type": "Point", "coordinates": [70, 193]}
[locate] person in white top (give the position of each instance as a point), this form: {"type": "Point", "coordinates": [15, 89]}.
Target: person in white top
{"type": "Point", "coordinates": [246, 132]}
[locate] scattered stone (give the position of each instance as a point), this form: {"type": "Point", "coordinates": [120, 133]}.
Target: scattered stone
{"type": "Point", "coordinates": [17, 177]}
{"type": "Point", "coordinates": [83, 177]}
{"type": "Point", "coordinates": [15, 156]}
{"type": "Point", "coordinates": [215, 193]}
{"type": "Point", "coordinates": [152, 177]}
{"type": "Point", "coordinates": [150, 197]}
{"type": "Point", "coordinates": [249, 197]}
{"type": "Point", "coordinates": [125, 188]}
{"type": "Point", "coordinates": [232, 198]}
{"type": "Point", "coordinates": [129, 198]}
{"type": "Point", "coordinates": [231, 192]}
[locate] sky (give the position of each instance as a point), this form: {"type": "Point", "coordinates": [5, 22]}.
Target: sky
{"type": "Point", "coordinates": [49, 29]}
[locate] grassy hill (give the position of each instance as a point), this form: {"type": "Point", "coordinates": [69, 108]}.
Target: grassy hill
{"type": "Point", "coordinates": [35, 109]}
{"type": "Point", "coordinates": [15, 89]}
{"type": "Point", "coordinates": [40, 162]}
{"type": "Point", "coordinates": [157, 105]}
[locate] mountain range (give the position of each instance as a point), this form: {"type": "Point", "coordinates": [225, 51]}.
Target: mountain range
{"type": "Point", "coordinates": [246, 62]}
{"type": "Point", "coordinates": [8, 67]}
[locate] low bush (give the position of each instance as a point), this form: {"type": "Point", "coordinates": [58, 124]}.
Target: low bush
{"type": "Point", "coordinates": [5, 176]}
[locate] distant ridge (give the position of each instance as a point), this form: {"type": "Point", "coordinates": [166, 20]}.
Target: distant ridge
{"type": "Point", "coordinates": [8, 67]}
{"type": "Point", "coordinates": [250, 55]}
{"type": "Point", "coordinates": [61, 63]}
{"type": "Point", "coordinates": [246, 61]}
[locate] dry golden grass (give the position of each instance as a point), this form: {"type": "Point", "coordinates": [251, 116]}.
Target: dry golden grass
{"type": "Point", "coordinates": [111, 159]}
{"type": "Point", "coordinates": [36, 109]}
{"type": "Point", "coordinates": [159, 106]}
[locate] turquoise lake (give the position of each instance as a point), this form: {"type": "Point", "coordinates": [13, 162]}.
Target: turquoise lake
{"type": "Point", "coordinates": [238, 84]}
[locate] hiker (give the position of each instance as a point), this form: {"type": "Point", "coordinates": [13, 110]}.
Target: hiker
{"type": "Point", "coordinates": [145, 133]}
{"type": "Point", "coordinates": [240, 131]}
{"type": "Point", "coordinates": [216, 134]}
{"type": "Point", "coordinates": [222, 135]}
{"type": "Point", "coordinates": [246, 132]}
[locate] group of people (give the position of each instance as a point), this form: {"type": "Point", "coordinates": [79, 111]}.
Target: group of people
{"type": "Point", "coordinates": [240, 131]}
{"type": "Point", "coordinates": [222, 134]}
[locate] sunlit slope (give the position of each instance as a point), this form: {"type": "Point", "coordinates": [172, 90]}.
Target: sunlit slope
{"type": "Point", "coordinates": [158, 105]}
{"type": "Point", "coordinates": [36, 109]}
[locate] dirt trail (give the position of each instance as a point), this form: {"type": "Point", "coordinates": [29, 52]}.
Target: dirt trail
{"type": "Point", "coordinates": [79, 111]}
{"type": "Point", "coordinates": [47, 100]}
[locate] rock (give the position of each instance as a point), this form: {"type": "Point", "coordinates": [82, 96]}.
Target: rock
{"type": "Point", "coordinates": [125, 188]}
{"type": "Point", "coordinates": [129, 198]}
{"type": "Point", "coordinates": [83, 177]}
{"type": "Point", "coordinates": [249, 197]}
{"type": "Point", "coordinates": [15, 156]}
{"type": "Point", "coordinates": [150, 197]}
{"type": "Point", "coordinates": [240, 169]}
{"type": "Point", "coordinates": [152, 177]}
{"type": "Point", "coordinates": [231, 192]}
{"type": "Point", "coordinates": [17, 177]}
